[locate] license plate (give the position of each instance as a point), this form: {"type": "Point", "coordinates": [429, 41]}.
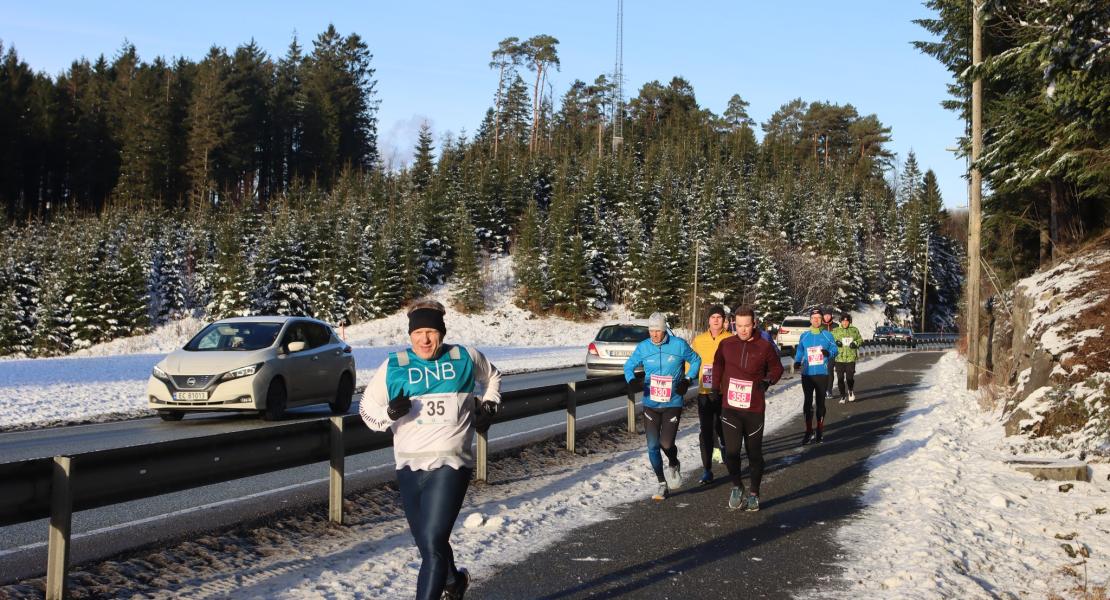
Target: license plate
{"type": "Point", "coordinates": [619, 353]}
{"type": "Point", "coordinates": [190, 395]}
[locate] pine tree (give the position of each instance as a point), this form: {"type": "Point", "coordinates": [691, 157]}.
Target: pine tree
{"type": "Point", "coordinates": [469, 294]}
{"type": "Point", "coordinates": [530, 261]}
{"type": "Point", "coordinates": [423, 162]}
{"type": "Point", "coordinates": [771, 299]}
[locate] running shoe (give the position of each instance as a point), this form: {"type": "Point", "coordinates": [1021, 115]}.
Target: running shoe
{"type": "Point", "coordinates": [851, 396]}
{"type": "Point", "coordinates": [807, 437]}
{"type": "Point", "coordinates": [717, 456]}
{"type": "Point", "coordinates": [752, 503]}
{"type": "Point", "coordinates": [706, 478]}
{"type": "Point", "coordinates": [456, 591]}
{"type": "Point", "coordinates": [736, 497]}
{"type": "Point", "coordinates": [843, 399]}
{"type": "Point", "coordinates": [662, 493]}
{"type": "Point", "coordinates": [817, 439]}
{"type": "Point", "coordinates": [673, 475]}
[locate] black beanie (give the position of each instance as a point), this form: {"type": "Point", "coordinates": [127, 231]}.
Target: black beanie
{"type": "Point", "coordinates": [427, 317]}
{"type": "Point", "coordinates": [716, 309]}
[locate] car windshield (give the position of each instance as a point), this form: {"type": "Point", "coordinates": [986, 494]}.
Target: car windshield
{"type": "Point", "coordinates": [795, 323]}
{"type": "Point", "coordinates": [622, 333]}
{"type": "Point", "coordinates": [224, 337]}
{"type": "Point", "coordinates": [904, 331]}
{"type": "Point", "coordinates": [882, 330]}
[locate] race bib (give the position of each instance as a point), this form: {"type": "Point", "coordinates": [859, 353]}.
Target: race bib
{"type": "Point", "coordinates": [436, 409]}
{"type": "Point", "coordinates": [707, 376]}
{"type": "Point", "coordinates": [739, 393]}
{"type": "Point", "coordinates": [816, 357]}
{"type": "Point", "coordinates": [844, 341]}
{"type": "Point", "coordinates": [660, 388]}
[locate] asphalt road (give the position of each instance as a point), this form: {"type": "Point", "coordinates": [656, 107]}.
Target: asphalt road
{"type": "Point", "coordinates": [693, 546]}
{"type": "Point", "coordinates": [102, 532]}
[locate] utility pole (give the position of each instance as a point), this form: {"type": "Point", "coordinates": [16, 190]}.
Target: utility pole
{"type": "Point", "coordinates": [973, 213]}
{"type": "Point", "coordinates": [694, 299]}
{"type": "Point", "coordinates": [618, 82]}
{"type": "Point", "coordinates": [925, 282]}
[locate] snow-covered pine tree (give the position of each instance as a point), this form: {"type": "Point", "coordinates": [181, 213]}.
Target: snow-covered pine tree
{"type": "Point", "coordinates": [469, 294]}
{"type": "Point", "coordinates": [772, 300]}
{"type": "Point", "coordinates": [287, 288]}
{"type": "Point", "coordinates": [168, 279]}
{"type": "Point", "coordinates": [530, 261]}
{"type": "Point", "coordinates": [231, 278]}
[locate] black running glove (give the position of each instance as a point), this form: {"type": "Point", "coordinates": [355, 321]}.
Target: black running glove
{"type": "Point", "coordinates": [825, 351]}
{"type": "Point", "coordinates": [764, 384]}
{"type": "Point", "coordinates": [797, 365]}
{"type": "Point", "coordinates": [714, 398]}
{"type": "Point", "coordinates": [399, 407]}
{"type": "Point", "coordinates": [682, 386]}
{"type": "Point", "coordinates": [853, 344]}
{"type": "Point", "coordinates": [484, 413]}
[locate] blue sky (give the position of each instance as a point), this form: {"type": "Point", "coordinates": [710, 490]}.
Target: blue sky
{"type": "Point", "coordinates": [431, 57]}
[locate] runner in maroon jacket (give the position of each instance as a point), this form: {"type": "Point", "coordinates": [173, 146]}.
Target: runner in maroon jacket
{"type": "Point", "coordinates": [743, 368]}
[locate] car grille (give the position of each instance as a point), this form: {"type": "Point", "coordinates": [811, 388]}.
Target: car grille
{"type": "Point", "coordinates": [182, 382]}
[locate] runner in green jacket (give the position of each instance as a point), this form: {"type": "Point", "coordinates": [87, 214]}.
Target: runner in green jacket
{"type": "Point", "coordinates": [848, 340]}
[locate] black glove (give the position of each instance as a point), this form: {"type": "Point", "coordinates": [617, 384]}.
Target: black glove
{"type": "Point", "coordinates": [484, 413]}
{"type": "Point", "coordinates": [797, 365]}
{"type": "Point", "coordinates": [825, 351]}
{"type": "Point", "coordinates": [715, 398]}
{"type": "Point", "coordinates": [764, 384]}
{"type": "Point", "coordinates": [399, 407]}
{"type": "Point", "coordinates": [853, 344]}
{"type": "Point", "coordinates": [681, 386]}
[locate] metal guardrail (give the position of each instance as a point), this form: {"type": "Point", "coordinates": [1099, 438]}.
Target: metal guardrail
{"type": "Point", "coordinates": [55, 487]}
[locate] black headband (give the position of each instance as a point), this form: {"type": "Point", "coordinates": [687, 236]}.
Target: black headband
{"type": "Point", "coordinates": [427, 317]}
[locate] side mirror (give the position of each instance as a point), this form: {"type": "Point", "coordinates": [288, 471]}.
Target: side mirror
{"type": "Point", "coordinates": [295, 347]}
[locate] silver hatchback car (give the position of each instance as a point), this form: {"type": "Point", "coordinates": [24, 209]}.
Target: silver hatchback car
{"type": "Point", "coordinates": [611, 348]}
{"type": "Point", "coordinates": [265, 364]}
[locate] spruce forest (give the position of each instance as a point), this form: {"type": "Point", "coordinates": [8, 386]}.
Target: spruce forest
{"type": "Point", "coordinates": [138, 192]}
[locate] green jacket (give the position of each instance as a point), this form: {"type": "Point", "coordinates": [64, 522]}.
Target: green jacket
{"type": "Point", "coordinates": [847, 353]}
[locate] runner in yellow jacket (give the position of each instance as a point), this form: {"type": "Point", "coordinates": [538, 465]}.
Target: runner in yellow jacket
{"type": "Point", "coordinates": [709, 411]}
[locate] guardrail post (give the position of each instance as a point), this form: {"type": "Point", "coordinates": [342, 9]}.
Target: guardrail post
{"type": "Point", "coordinates": [335, 472]}
{"type": "Point", "coordinates": [631, 412]}
{"type": "Point", "coordinates": [572, 410]}
{"type": "Point", "coordinates": [481, 470]}
{"type": "Point", "coordinates": [61, 519]}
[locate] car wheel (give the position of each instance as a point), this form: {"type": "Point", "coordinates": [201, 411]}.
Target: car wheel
{"type": "Point", "coordinates": [343, 395]}
{"type": "Point", "coordinates": [275, 401]}
{"type": "Point", "coordinates": [171, 415]}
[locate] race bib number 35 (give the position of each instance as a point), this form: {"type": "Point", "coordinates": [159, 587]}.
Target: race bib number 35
{"type": "Point", "coordinates": [816, 358]}
{"type": "Point", "coordinates": [436, 409]}
{"type": "Point", "coordinates": [660, 388]}
{"type": "Point", "coordinates": [739, 393]}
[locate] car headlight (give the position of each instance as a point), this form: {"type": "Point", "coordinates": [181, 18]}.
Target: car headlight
{"type": "Point", "coordinates": [241, 372]}
{"type": "Point", "coordinates": [159, 374]}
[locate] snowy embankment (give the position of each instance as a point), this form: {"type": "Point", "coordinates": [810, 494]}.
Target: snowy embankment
{"type": "Point", "coordinates": [946, 517]}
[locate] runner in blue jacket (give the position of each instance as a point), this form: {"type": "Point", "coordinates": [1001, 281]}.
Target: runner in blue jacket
{"type": "Point", "coordinates": [663, 357]}
{"type": "Point", "coordinates": [816, 347]}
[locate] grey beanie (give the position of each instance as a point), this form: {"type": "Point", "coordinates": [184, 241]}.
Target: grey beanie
{"type": "Point", "coordinates": [657, 321]}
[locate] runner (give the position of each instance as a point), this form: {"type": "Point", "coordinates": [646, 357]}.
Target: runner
{"type": "Point", "coordinates": [709, 409]}
{"type": "Point", "coordinates": [743, 368]}
{"type": "Point", "coordinates": [815, 347]}
{"type": "Point", "coordinates": [827, 324]}
{"type": "Point", "coordinates": [424, 394]}
{"type": "Point", "coordinates": [662, 356]}
{"type": "Point", "coordinates": [847, 339]}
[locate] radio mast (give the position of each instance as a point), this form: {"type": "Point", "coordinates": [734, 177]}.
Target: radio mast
{"type": "Point", "coordinates": [618, 82]}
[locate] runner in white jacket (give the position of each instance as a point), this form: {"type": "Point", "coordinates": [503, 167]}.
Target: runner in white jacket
{"type": "Point", "coordinates": [426, 396]}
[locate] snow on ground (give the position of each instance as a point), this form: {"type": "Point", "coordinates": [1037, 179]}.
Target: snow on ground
{"type": "Point", "coordinates": [947, 518]}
